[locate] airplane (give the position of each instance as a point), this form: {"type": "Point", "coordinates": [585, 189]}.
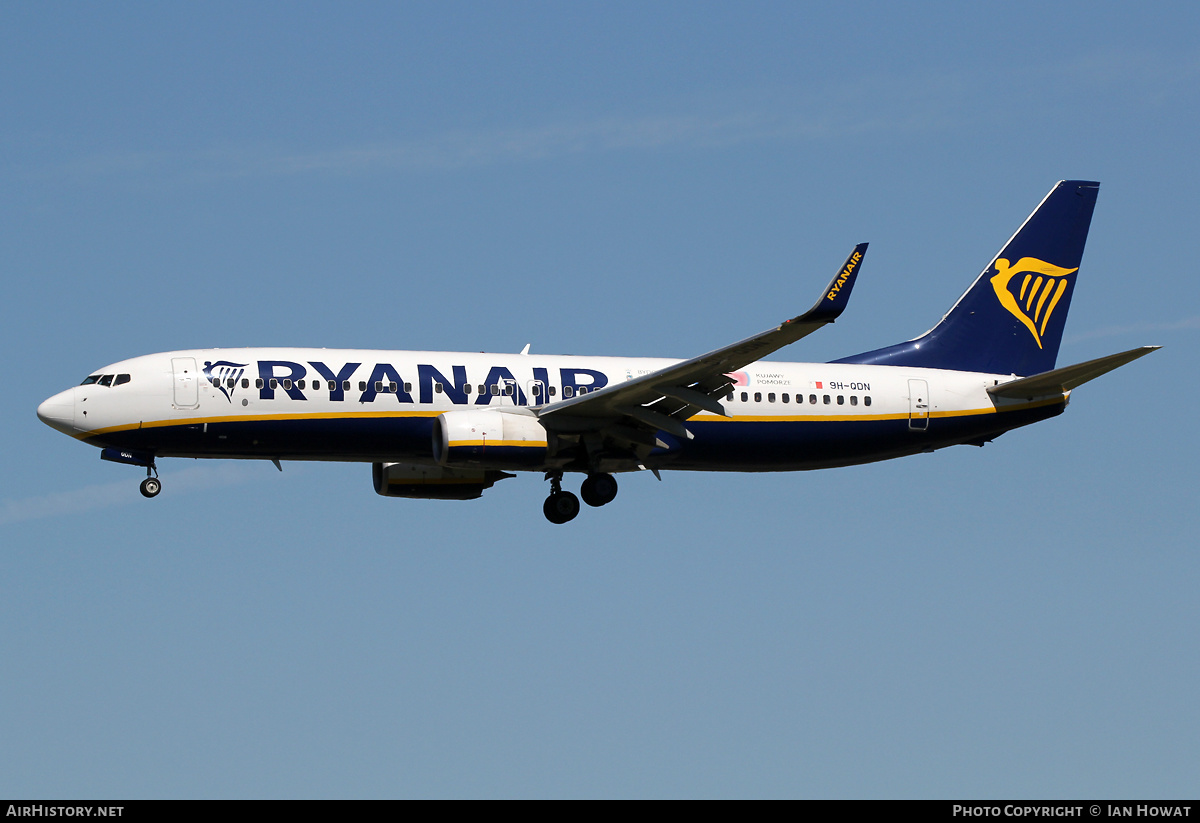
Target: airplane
{"type": "Point", "coordinates": [445, 425]}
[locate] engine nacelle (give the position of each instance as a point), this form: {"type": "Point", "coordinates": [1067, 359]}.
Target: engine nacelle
{"type": "Point", "coordinates": [432, 482]}
{"type": "Point", "coordinates": [489, 439]}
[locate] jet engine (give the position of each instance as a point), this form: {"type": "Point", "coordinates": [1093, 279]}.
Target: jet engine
{"type": "Point", "coordinates": [432, 482]}
{"type": "Point", "coordinates": [489, 439]}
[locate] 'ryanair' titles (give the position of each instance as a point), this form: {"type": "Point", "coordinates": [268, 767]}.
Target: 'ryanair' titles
{"type": "Point", "coordinates": [293, 380]}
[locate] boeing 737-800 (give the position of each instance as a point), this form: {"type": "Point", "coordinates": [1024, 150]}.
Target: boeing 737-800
{"type": "Point", "coordinates": [449, 425]}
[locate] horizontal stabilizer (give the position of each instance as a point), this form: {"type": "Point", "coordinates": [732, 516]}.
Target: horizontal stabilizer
{"type": "Point", "coordinates": [1067, 378]}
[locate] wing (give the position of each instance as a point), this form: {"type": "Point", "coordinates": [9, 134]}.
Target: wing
{"type": "Point", "coordinates": [661, 401]}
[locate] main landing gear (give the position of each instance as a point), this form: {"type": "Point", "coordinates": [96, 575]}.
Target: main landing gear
{"type": "Point", "coordinates": [598, 489]}
{"type": "Point", "coordinates": [562, 507]}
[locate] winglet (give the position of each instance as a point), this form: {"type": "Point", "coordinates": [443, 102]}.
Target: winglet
{"type": "Point", "coordinates": [837, 293]}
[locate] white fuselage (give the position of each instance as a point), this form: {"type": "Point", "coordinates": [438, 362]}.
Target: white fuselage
{"type": "Point", "coordinates": [372, 406]}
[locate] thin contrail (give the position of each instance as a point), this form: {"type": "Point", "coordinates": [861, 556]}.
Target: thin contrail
{"type": "Point", "coordinates": [1140, 328]}
{"type": "Point", "coordinates": [120, 493]}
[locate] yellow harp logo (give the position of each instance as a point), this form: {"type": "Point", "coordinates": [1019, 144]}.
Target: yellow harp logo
{"type": "Point", "coordinates": [1040, 291]}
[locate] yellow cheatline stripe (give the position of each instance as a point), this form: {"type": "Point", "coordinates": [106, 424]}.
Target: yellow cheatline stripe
{"type": "Point", "coordinates": [255, 418]}
{"type": "Point", "coordinates": [699, 418]}
{"type": "Point", "coordinates": [826, 418]}
{"type": "Point", "coordinates": [453, 481]}
{"type": "Point", "coordinates": [792, 418]}
{"type": "Point", "coordinates": [540, 444]}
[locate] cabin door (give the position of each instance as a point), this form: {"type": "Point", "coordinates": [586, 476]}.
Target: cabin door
{"type": "Point", "coordinates": [918, 405]}
{"type": "Point", "coordinates": [187, 382]}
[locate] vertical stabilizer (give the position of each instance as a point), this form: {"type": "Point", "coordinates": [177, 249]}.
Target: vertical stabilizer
{"type": "Point", "coordinates": [1011, 319]}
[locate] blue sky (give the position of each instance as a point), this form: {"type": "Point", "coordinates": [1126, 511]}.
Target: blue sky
{"type": "Point", "coordinates": [1017, 620]}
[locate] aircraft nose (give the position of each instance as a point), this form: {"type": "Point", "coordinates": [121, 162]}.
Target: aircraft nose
{"type": "Point", "coordinates": [58, 412]}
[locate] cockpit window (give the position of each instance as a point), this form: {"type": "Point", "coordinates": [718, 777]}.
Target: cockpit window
{"type": "Point", "coordinates": [121, 379]}
{"type": "Point", "coordinates": [106, 380]}
{"type": "Point", "coordinates": [90, 379]}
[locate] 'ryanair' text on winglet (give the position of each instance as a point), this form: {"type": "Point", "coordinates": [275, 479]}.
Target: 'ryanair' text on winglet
{"type": "Point", "coordinates": [837, 294]}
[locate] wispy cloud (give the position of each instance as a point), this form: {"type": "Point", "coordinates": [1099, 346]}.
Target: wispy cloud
{"type": "Point", "coordinates": [463, 148]}
{"type": "Point", "coordinates": [1117, 331]}
{"type": "Point", "coordinates": [108, 495]}
{"type": "Point", "coordinates": [920, 102]}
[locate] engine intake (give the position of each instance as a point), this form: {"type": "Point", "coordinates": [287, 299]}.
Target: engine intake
{"type": "Point", "coordinates": [489, 439]}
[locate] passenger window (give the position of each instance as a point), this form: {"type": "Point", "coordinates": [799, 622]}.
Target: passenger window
{"type": "Point", "coordinates": [568, 391]}
{"type": "Point", "coordinates": [299, 384]}
{"type": "Point", "coordinates": [122, 379]}
{"type": "Point", "coordinates": [745, 397]}
{"type": "Point", "coordinates": [287, 383]}
{"type": "Point", "coordinates": [867, 400]}
{"type": "Point", "coordinates": [508, 389]}
{"type": "Point", "coordinates": [771, 397]}
{"type": "Point", "coordinates": [230, 382]}
{"type": "Point", "coordinates": [583, 389]}
{"type": "Point", "coordinates": [495, 390]}
{"type": "Point", "coordinates": [333, 385]}
{"type": "Point", "coordinates": [245, 382]}
{"type": "Point", "coordinates": [482, 389]}
{"type": "Point", "coordinates": [784, 398]}
{"type": "Point", "coordinates": [378, 385]}
{"type": "Point", "coordinates": [407, 388]}
{"type": "Point", "coordinates": [552, 390]}
{"type": "Point", "coordinates": [841, 400]}
{"type": "Point", "coordinates": [853, 400]}
{"type": "Point", "coordinates": [758, 397]}
{"type": "Point", "coordinates": [826, 399]}
{"type": "Point", "coordinates": [345, 385]}
{"type": "Point", "coordinates": [274, 383]}
{"type": "Point", "coordinates": [467, 389]}
{"type": "Point", "coordinates": [812, 398]}
{"type": "Point", "coordinates": [437, 388]}
{"type": "Point", "coordinates": [362, 385]}
{"type": "Point", "coordinates": [392, 387]}
{"type": "Point", "coordinates": [258, 384]}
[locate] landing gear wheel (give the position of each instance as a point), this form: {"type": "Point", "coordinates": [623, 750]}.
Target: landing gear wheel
{"type": "Point", "coordinates": [598, 489]}
{"type": "Point", "coordinates": [561, 507]}
{"type": "Point", "coordinates": [150, 487]}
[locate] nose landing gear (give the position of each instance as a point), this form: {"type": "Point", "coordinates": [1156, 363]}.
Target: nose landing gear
{"type": "Point", "coordinates": [151, 486]}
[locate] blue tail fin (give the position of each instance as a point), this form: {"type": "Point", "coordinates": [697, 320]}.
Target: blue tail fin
{"type": "Point", "coordinates": [1011, 319]}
